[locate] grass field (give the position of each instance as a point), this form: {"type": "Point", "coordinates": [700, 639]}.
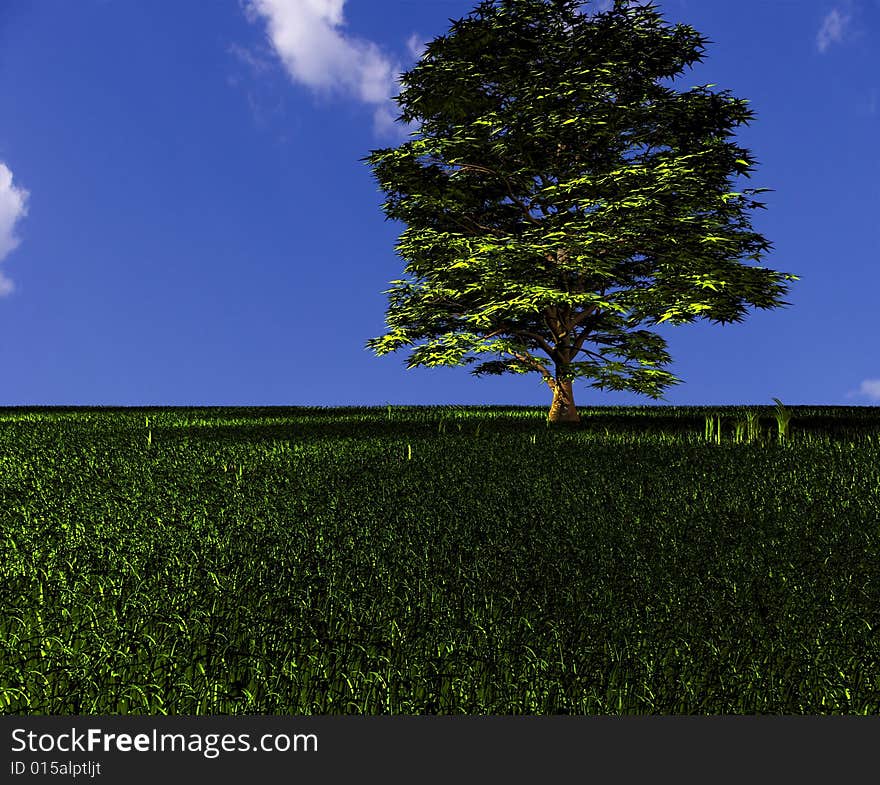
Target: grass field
{"type": "Point", "coordinates": [439, 560]}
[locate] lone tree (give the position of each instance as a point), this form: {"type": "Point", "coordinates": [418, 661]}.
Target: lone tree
{"type": "Point", "coordinates": [531, 230]}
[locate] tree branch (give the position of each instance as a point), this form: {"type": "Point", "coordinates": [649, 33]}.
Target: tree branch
{"type": "Point", "coordinates": [489, 229]}
{"type": "Point", "coordinates": [551, 317]}
{"type": "Point", "coordinates": [529, 360]}
{"type": "Point", "coordinates": [506, 328]}
{"type": "Point", "coordinates": [518, 202]}
{"type": "Point", "coordinates": [593, 354]}
{"type": "Point", "coordinates": [542, 342]}
{"type": "Point", "coordinates": [579, 342]}
{"type": "Point", "coordinates": [583, 315]}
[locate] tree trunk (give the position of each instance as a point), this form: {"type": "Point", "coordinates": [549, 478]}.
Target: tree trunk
{"type": "Point", "coordinates": [563, 409]}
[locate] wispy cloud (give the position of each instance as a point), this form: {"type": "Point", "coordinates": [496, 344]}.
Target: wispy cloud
{"type": "Point", "coordinates": [871, 105]}
{"type": "Point", "coordinates": [590, 9]}
{"type": "Point", "coordinates": [416, 46]}
{"type": "Point", "coordinates": [258, 64]}
{"type": "Point", "coordinates": [13, 206]}
{"type": "Point", "coordinates": [308, 37]}
{"type": "Point", "coordinates": [870, 388]}
{"type": "Point", "coordinates": [832, 29]}
{"type": "Point", "coordinates": [601, 6]}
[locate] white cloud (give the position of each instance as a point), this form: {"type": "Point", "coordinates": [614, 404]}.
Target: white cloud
{"type": "Point", "coordinates": [416, 46]}
{"type": "Point", "coordinates": [12, 208]}
{"type": "Point", "coordinates": [832, 29]}
{"type": "Point", "coordinates": [870, 388]}
{"type": "Point", "coordinates": [383, 121]}
{"type": "Point", "coordinates": [307, 37]}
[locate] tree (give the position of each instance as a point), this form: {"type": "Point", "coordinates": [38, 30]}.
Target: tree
{"type": "Point", "coordinates": [556, 197]}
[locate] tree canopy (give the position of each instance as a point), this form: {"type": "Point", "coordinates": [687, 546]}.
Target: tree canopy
{"type": "Point", "coordinates": [557, 198]}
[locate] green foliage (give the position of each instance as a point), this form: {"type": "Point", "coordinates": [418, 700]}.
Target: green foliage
{"type": "Point", "coordinates": [330, 561]}
{"type": "Point", "coordinates": [782, 418]}
{"type": "Point", "coordinates": [556, 197]}
{"type": "Point", "coordinates": [748, 430]}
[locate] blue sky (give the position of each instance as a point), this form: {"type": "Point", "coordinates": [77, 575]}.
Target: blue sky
{"type": "Point", "coordinates": [184, 219]}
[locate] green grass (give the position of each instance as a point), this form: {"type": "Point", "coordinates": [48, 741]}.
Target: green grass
{"type": "Point", "coordinates": [440, 560]}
